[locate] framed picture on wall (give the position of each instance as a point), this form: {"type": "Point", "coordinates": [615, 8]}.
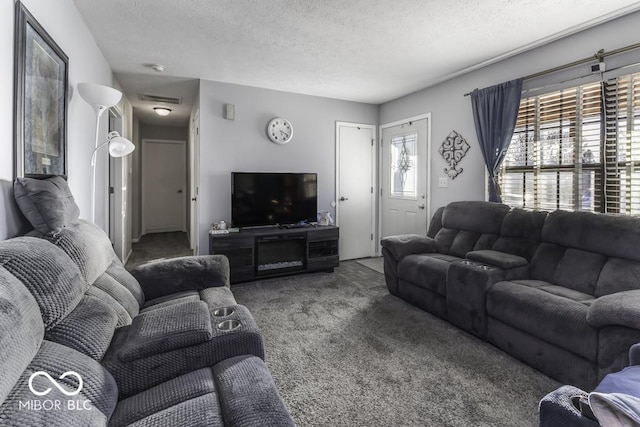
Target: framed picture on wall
{"type": "Point", "coordinates": [40, 103]}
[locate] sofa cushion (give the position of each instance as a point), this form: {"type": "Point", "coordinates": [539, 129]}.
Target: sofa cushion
{"type": "Point", "coordinates": [407, 244]}
{"type": "Point", "coordinates": [247, 393]}
{"type": "Point", "coordinates": [21, 331]}
{"type": "Point", "coordinates": [216, 297]}
{"type": "Point", "coordinates": [165, 329]}
{"type": "Point", "coordinates": [99, 392]}
{"type": "Point", "coordinates": [579, 270]}
{"type": "Point", "coordinates": [88, 246]}
{"type": "Point", "coordinates": [160, 400]}
{"type": "Point", "coordinates": [428, 271]}
{"type": "Point", "coordinates": [47, 203]}
{"type": "Point", "coordinates": [481, 217]}
{"type": "Point", "coordinates": [502, 260]}
{"type": "Point", "coordinates": [610, 235]}
{"type": "Point", "coordinates": [121, 298]}
{"type": "Point", "coordinates": [468, 226]}
{"type": "Point", "coordinates": [49, 274]}
{"type": "Point", "coordinates": [545, 261]}
{"type": "Point", "coordinates": [520, 232]}
{"type": "Point", "coordinates": [552, 313]}
{"type": "Point", "coordinates": [87, 329]}
{"type": "Point", "coordinates": [618, 275]}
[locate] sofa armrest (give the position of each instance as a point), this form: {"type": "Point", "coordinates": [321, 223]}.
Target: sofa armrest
{"type": "Point", "coordinates": [165, 277]}
{"type": "Point", "coordinates": [619, 309]}
{"type": "Point", "coordinates": [502, 260]}
{"type": "Point", "coordinates": [634, 354]}
{"type": "Point", "coordinates": [407, 244]}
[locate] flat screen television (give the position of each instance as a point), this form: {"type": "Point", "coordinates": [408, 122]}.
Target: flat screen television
{"type": "Point", "coordinates": [263, 198]}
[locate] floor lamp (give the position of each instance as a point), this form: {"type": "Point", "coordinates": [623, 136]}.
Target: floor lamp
{"type": "Point", "coordinates": [101, 98]}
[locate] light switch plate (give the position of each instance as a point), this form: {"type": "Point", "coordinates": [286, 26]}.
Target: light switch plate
{"type": "Point", "coordinates": [443, 182]}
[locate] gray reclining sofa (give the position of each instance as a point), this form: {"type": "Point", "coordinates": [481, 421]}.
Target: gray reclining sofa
{"type": "Point", "coordinates": [165, 346]}
{"type": "Point", "coordinates": [559, 291]}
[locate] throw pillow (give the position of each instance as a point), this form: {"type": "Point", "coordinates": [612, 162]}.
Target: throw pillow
{"type": "Point", "coordinates": [47, 203]}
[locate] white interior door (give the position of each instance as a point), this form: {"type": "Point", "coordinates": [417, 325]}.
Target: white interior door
{"type": "Point", "coordinates": [404, 175]}
{"type": "Point", "coordinates": [163, 185]}
{"type": "Point", "coordinates": [355, 189]}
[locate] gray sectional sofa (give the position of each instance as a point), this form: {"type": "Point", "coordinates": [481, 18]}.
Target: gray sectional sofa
{"type": "Point", "coordinates": [559, 291]}
{"type": "Point", "coordinates": [164, 346]}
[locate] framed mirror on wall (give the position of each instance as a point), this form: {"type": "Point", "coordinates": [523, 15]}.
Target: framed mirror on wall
{"type": "Point", "coordinates": [40, 100]}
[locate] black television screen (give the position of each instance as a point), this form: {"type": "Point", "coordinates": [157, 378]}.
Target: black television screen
{"type": "Point", "coordinates": [261, 198]}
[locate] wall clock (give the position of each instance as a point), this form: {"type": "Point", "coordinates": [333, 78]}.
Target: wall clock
{"type": "Point", "coordinates": [279, 130]}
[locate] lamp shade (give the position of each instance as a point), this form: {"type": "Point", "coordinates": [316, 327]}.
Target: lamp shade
{"type": "Point", "coordinates": [119, 146]}
{"type": "Point", "coordinates": [99, 96]}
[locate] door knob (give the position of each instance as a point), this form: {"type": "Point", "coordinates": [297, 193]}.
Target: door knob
{"type": "Point", "coordinates": [193, 199]}
{"type": "Point", "coordinates": [342, 199]}
{"type": "Point", "coordinates": [180, 191]}
{"type": "Point", "coordinates": [421, 206]}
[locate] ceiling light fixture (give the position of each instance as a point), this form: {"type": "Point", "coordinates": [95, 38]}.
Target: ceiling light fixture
{"type": "Point", "coordinates": [161, 111]}
{"type": "Point", "coordinates": [156, 67]}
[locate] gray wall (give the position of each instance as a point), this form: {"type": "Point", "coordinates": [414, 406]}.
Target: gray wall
{"type": "Point", "coordinates": [63, 22]}
{"type": "Point", "coordinates": [451, 110]}
{"type": "Point", "coordinates": [242, 144]}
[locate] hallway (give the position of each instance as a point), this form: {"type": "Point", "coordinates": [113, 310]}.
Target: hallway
{"type": "Point", "coordinates": [156, 246]}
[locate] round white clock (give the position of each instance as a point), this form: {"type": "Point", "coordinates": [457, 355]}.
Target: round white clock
{"type": "Point", "coordinates": [279, 130]}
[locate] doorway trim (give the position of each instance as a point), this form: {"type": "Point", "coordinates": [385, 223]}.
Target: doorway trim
{"type": "Point", "coordinates": [194, 183]}
{"type": "Point", "coordinates": [374, 173]}
{"type": "Point", "coordinates": [143, 182]}
{"type": "Point", "coordinates": [426, 116]}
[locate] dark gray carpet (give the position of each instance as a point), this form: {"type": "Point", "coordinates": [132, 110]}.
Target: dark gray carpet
{"type": "Point", "coordinates": [344, 352]}
{"type": "Point", "coordinates": [154, 246]}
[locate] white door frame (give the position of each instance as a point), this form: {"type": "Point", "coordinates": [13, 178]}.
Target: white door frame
{"type": "Point", "coordinates": [145, 141]}
{"type": "Point", "coordinates": [374, 172]}
{"type": "Point", "coordinates": [194, 173]}
{"type": "Point", "coordinates": [426, 116]}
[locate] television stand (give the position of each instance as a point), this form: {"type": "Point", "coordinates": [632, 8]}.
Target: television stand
{"type": "Point", "coordinates": [269, 252]}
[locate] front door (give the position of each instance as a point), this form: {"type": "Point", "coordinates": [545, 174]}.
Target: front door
{"type": "Point", "coordinates": [355, 192]}
{"type": "Point", "coordinates": [164, 185]}
{"type": "Point", "coordinates": [404, 171]}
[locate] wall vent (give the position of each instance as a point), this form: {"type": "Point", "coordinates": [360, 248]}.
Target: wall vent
{"type": "Point", "coordinates": [158, 98]}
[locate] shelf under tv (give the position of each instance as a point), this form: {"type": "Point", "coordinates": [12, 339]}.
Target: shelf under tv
{"type": "Point", "coordinates": [262, 252]}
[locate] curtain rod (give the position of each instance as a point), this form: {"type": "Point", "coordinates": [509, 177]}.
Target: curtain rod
{"type": "Point", "coordinates": [600, 55]}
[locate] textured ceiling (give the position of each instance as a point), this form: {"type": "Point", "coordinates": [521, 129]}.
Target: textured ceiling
{"type": "Point", "coordinates": [362, 50]}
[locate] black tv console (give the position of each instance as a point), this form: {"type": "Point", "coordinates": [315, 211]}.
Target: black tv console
{"type": "Point", "coordinates": [268, 252]}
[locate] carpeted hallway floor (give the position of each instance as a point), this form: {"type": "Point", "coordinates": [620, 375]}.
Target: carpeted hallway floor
{"type": "Point", "coordinates": [158, 246]}
{"type": "Point", "coordinates": [344, 352]}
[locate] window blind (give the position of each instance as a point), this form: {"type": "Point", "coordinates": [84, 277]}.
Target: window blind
{"type": "Point", "coordinates": [577, 149]}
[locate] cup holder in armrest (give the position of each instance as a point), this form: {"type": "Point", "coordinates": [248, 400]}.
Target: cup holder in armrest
{"type": "Point", "coordinates": [224, 311]}
{"type": "Point", "coordinates": [229, 325]}
{"type": "Point", "coordinates": [475, 264]}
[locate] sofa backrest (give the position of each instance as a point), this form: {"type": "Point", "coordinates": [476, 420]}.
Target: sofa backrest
{"type": "Point", "coordinates": [469, 226]}
{"type": "Point", "coordinates": [90, 249]}
{"type": "Point", "coordinates": [26, 359]}
{"type": "Point", "coordinates": [592, 253]}
{"type": "Point", "coordinates": [49, 205]}
{"type": "Point", "coordinates": [21, 331]}
{"type": "Point", "coordinates": [72, 316]}
{"type": "Point", "coordinates": [520, 232]}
